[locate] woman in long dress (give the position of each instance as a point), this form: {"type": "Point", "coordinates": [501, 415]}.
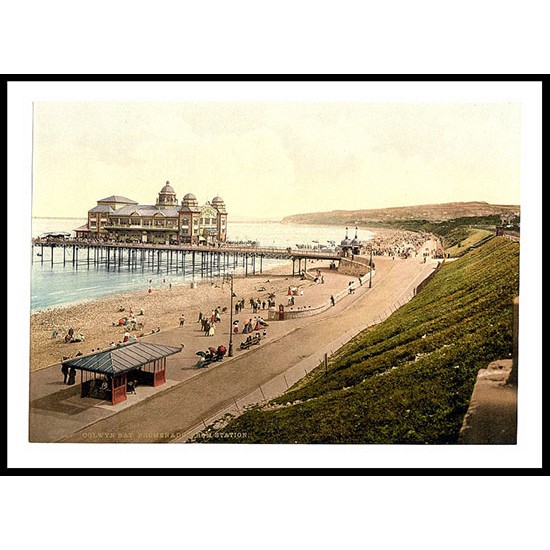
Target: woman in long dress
{"type": "Point", "coordinates": [212, 329]}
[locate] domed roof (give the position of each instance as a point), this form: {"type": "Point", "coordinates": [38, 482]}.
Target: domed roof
{"type": "Point", "coordinates": [345, 242]}
{"type": "Point", "coordinates": [168, 189]}
{"type": "Point", "coordinates": [217, 199]}
{"type": "Point", "coordinates": [355, 242]}
{"type": "Point", "coordinates": [189, 197]}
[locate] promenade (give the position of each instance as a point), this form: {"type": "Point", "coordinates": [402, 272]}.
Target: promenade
{"type": "Point", "coordinates": [192, 396]}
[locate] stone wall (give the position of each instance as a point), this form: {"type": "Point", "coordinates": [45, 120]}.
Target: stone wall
{"type": "Point", "coordinates": [513, 378]}
{"type": "Point", "coordinates": [295, 312]}
{"type": "Point", "coordinates": [357, 267]}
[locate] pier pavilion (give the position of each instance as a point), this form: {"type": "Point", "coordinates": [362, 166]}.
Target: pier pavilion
{"type": "Point", "coordinates": [351, 247]}
{"type": "Point", "coordinates": [120, 219]}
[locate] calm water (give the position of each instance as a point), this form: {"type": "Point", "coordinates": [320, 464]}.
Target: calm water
{"type": "Point", "coordinates": [61, 285]}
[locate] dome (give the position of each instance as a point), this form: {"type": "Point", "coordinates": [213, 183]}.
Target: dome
{"type": "Point", "coordinates": [345, 242]}
{"type": "Point", "coordinates": [168, 189]}
{"type": "Point", "coordinates": [219, 205]}
{"type": "Point", "coordinates": [355, 242]}
{"type": "Point", "coordinates": [189, 203]}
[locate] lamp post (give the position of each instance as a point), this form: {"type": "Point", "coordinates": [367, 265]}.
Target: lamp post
{"type": "Point", "coordinates": [370, 267]}
{"type": "Point", "coordinates": [230, 350]}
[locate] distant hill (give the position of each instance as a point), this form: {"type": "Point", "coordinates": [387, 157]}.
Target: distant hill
{"type": "Point", "coordinates": [380, 216]}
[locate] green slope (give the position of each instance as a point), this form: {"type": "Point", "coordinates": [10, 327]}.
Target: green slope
{"type": "Point", "coordinates": [409, 379]}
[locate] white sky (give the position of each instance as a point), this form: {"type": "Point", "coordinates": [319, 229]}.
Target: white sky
{"type": "Point", "coordinates": [271, 159]}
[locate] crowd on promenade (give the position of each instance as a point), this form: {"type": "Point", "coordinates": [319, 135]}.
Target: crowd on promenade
{"type": "Point", "coordinates": [400, 243]}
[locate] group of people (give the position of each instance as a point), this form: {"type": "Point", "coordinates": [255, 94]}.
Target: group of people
{"type": "Point", "coordinates": [291, 292]}
{"type": "Point", "coordinates": [210, 355]}
{"type": "Point", "coordinates": [69, 374]}
{"type": "Point", "coordinates": [251, 340]}
{"type": "Point", "coordinates": [208, 324]}
{"type": "Point", "coordinates": [256, 304]}
{"type": "Point", "coordinates": [319, 277]}
{"type": "Point", "coordinates": [400, 243]}
{"type": "Point", "coordinates": [72, 336]}
{"type": "Point", "coordinates": [256, 324]}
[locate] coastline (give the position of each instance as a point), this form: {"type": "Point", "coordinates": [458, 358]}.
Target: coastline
{"type": "Point", "coordinates": [97, 319]}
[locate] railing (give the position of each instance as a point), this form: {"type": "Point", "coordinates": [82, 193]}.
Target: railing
{"type": "Point", "coordinates": [429, 277]}
{"type": "Point", "coordinates": [291, 313]}
{"type": "Point", "coordinates": [258, 251]}
{"type": "Point", "coordinates": [282, 382]}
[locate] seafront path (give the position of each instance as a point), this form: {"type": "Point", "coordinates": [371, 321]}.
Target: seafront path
{"type": "Point", "coordinates": [193, 397]}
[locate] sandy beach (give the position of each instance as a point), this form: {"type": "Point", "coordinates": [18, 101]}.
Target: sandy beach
{"type": "Point", "coordinates": [98, 319]}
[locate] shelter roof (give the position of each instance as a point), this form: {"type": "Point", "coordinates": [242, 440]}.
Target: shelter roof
{"type": "Point", "coordinates": [124, 359]}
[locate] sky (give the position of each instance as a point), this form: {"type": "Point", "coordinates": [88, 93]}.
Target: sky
{"type": "Point", "coordinates": [271, 159]}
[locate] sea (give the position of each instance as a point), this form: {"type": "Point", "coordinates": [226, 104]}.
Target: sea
{"type": "Point", "coordinates": [64, 284]}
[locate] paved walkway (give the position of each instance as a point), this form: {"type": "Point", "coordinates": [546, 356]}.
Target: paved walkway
{"type": "Point", "coordinates": [192, 395]}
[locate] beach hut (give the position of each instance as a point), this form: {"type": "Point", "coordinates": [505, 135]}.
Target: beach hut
{"type": "Point", "coordinates": [106, 375]}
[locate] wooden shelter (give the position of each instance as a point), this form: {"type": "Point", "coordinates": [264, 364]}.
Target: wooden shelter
{"type": "Point", "coordinates": [107, 375]}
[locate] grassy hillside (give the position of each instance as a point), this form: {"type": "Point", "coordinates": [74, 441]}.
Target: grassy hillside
{"type": "Point", "coordinates": [473, 237]}
{"type": "Point", "coordinates": [409, 379]}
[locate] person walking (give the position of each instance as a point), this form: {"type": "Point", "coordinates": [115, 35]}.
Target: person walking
{"type": "Point", "coordinates": [72, 376]}
{"type": "Point", "coordinates": [65, 371]}
{"type": "Point", "coordinates": [212, 329]}
{"type": "Point", "coordinates": [182, 320]}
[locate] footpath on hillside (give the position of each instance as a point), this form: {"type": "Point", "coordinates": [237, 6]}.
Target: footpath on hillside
{"type": "Point", "coordinates": [191, 396]}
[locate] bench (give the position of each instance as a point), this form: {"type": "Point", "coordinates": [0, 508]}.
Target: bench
{"type": "Point", "coordinates": [247, 343]}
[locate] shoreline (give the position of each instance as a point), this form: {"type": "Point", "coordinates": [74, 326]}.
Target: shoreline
{"type": "Point", "coordinates": [97, 318]}
{"type": "Point", "coordinates": [198, 281]}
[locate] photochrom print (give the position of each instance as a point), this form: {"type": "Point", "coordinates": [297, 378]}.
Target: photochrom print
{"type": "Point", "coordinates": [283, 272]}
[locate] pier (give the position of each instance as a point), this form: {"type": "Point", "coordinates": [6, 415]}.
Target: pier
{"type": "Point", "coordinates": [206, 260]}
